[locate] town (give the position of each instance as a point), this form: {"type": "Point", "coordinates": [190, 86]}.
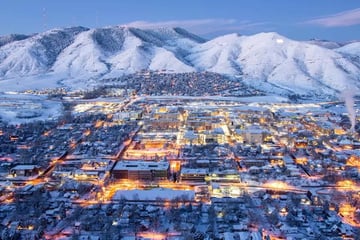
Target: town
{"type": "Point", "coordinates": [179, 167]}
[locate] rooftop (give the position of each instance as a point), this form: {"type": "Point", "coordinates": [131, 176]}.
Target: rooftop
{"type": "Point", "coordinates": [141, 165]}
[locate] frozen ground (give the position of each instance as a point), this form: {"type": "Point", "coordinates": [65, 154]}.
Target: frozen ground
{"type": "Point", "coordinates": [22, 108]}
{"type": "Point", "coordinates": [154, 194]}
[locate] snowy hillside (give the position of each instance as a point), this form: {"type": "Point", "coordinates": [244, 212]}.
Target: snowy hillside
{"type": "Point", "coordinates": [351, 49]}
{"type": "Point", "coordinates": [12, 38]}
{"type": "Point", "coordinates": [325, 43]}
{"type": "Point", "coordinates": [36, 54]}
{"type": "Point", "coordinates": [110, 52]}
{"type": "Point", "coordinates": [267, 61]}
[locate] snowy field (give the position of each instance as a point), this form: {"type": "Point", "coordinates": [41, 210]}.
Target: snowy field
{"type": "Point", "coordinates": [154, 194]}
{"type": "Point", "coordinates": [22, 108]}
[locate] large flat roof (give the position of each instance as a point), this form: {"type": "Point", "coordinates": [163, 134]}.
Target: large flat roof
{"type": "Point", "coordinates": [141, 165]}
{"type": "Point", "coordinates": [25, 167]}
{"type": "Point", "coordinates": [195, 171]}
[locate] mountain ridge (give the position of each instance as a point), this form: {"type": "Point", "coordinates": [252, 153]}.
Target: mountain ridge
{"type": "Point", "coordinates": [261, 60]}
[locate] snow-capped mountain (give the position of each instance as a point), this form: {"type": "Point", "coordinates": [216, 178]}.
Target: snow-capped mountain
{"type": "Point", "coordinates": [267, 61]}
{"type": "Point", "coordinates": [351, 49]}
{"type": "Point", "coordinates": [35, 55]}
{"type": "Point", "coordinates": [110, 52]}
{"type": "Point", "coordinates": [326, 43]}
{"type": "Point", "coordinates": [12, 38]}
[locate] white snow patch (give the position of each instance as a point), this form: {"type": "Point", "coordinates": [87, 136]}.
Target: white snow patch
{"type": "Point", "coordinates": [154, 194]}
{"type": "Point", "coordinates": [23, 108]}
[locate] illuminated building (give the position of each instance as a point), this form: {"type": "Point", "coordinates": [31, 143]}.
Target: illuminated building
{"type": "Point", "coordinates": [194, 175]}
{"type": "Point", "coordinates": [141, 170]}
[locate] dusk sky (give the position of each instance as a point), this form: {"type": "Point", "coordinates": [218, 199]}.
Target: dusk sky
{"type": "Point", "coordinates": [301, 20]}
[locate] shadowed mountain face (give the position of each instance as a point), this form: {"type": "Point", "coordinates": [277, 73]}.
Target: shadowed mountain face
{"type": "Point", "coordinates": [264, 60]}
{"type": "Point", "coordinates": [12, 38]}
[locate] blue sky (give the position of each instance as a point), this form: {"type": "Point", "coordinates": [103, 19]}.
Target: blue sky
{"type": "Point", "coordinates": [297, 19]}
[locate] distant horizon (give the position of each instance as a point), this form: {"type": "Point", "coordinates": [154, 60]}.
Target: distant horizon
{"type": "Point", "coordinates": [299, 20]}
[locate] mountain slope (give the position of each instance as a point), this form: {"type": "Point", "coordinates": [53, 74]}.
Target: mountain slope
{"type": "Point", "coordinates": [109, 52]}
{"type": "Point", "coordinates": [12, 38]}
{"type": "Point", "coordinates": [351, 49]}
{"type": "Point", "coordinates": [36, 54]}
{"type": "Point", "coordinates": [273, 59]}
{"type": "Point", "coordinates": [325, 43]}
{"type": "Point", "coordinates": [266, 61]}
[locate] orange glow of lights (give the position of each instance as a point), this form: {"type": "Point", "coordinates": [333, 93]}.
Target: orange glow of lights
{"type": "Point", "coordinates": [347, 212]}
{"type": "Point", "coordinates": [347, 185]}
{"type": "Point", "coordinates": [339, 131]}
{"type": "Point", "coordinates": [354, 161]}
{"type": "Point", "coordinates": [87, 132]}
{"type": "Point", "coordinates": [109, 191]}
{"type": "Point", "coordinates": [7, 199]}
{"type": "Point", "coordinates": [152, 235]}
{"type": "Point", "coordinates": [271, 236]}
{"type": "Point", "coordinates": [30, 227]}
{"type": "Point", "coordinates": [99, 124]}
{"type": "Point", "coordinates": [175, 166]}
{"type": "Point", "coordinates": [34, 181]}
{"type": "Point", "coordinates": [301, 160]}
{"type": "Point", "coordinates": [150, 153]}
{"type": "Point", "coordinates": [348, 147]}
{"type": "Point", "coordinates": [54, 237]}
{"type": "Point", "coordinates": [278, 185]}
{"type": "Point", "coordinates": [47, 133]}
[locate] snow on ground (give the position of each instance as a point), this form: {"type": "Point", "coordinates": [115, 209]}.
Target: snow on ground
{"type": "Point", "coordinates": [22, 108]}
{"type": "Point", "coordinates": [352, 49]}
{"type": "Point", "coordinates": [154, 194]}
{"type": "Point", "coordinates": [82, 59]}
{"type": "Point", "coordinates": [162, 58]}
{"type": "Point", "coordinates": [29, 83]}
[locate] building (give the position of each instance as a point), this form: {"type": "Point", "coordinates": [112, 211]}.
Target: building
{"type": "Point", "coordinates": [194, 174]}
{"type": "Point", "coordinates": [25, 170]}
{"type": "Point", "coordinates": [254, 135]}
{"type": "Point", "coordinates": [141, 170]}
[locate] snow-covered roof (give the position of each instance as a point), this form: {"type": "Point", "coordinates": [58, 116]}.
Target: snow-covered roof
{"type": "Point", "coordinates": [24, 167]}
{"type": "Point", "coordinates": [141, 165]}
{"type": "Point", "coordinates": [194, 171]}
